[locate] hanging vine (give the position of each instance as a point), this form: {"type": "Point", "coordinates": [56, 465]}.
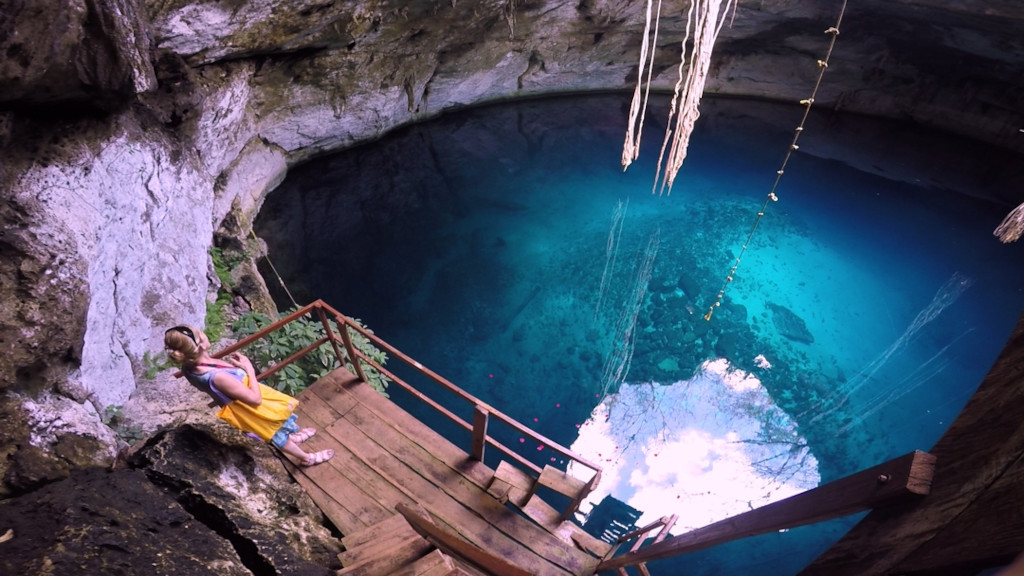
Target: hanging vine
{"type": "Point", "coordinates": [704, 21]}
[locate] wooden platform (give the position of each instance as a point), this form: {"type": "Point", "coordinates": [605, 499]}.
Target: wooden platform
{"type": "Point", "coordinates": [385, 458]}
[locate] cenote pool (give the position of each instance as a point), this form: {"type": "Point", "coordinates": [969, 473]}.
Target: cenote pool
{"type": "Point", "coordinates": [504, 248]}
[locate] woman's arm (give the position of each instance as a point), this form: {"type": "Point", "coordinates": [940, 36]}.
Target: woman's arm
{"type": "Point", "coordinates": [233, 387]}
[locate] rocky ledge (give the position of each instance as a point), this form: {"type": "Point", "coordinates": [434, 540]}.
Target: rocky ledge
{"type": "Point", "coordinates": [191, 500]}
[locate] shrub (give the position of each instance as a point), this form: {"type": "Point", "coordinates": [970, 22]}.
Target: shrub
{"type": "Point", "coordinates": [280, 344]}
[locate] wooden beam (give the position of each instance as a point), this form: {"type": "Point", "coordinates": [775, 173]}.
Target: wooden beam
{"type": "Point", "coordinates": [971, 519]}
{"type": "Point", "coordinates": [451, 542]}
{"type": "Point", "coordinates": [906, 476]}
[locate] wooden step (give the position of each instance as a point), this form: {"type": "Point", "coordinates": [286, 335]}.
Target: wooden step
{"type": "Point", "coordinates": [385, 557]}
{"type": "Point", "coordinates": [510, 484]}
{"type": "Point", "coordinates": [436, 563]}
{"type": "Point", "coordinates": [565, 484]}
{"type": "Point", "coordinates": [396, 523]}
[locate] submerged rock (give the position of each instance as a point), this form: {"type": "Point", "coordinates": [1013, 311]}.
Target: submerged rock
{"type": "Point", "coordinates": [788, 324]}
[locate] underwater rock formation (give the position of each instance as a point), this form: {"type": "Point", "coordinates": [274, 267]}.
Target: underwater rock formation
{"type": "Point", "coordinates": [789, 325]}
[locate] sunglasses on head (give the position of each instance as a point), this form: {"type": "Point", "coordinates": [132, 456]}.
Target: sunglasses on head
{"type": "Point", "coordinates": [186, 331]}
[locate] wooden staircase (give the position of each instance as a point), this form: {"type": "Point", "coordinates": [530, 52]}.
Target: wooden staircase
{"type": "Point", "coordinates": [400, 492]}
{"type": "Point", "coordinates": [393, 548]}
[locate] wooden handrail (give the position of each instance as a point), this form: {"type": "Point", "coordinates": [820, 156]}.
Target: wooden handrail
{"type": "Point", "coordinates": [663, 522]}
{"type": "Point", "coordinates": [483, 413]}
{"type": "Point", "coordinates": [455, 390]}
{"type": "Point", "coordinates": [907, 476]}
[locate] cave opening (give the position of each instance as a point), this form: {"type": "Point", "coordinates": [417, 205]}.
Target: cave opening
{"type": "Point", "coordinates": [504, 248]}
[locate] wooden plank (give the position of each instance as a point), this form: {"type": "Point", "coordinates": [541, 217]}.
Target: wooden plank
{"type": "Point", "coordinates": [561, 482]}
{"type": "Point", "coordinates": [386, 560]}
{"type": "Point", "coordinates": [372, 426]}
{"type": "Point", "coordinates": [359, 472]}
{"type": "Point", "coordinates": [345, 478]}
{"type": "Point", "coordinates": [428, 564]}
{"type": "Point", "coordinates": [499, 489]}
{"type": "Point", "coordinates": [542, 513]}
{"type": "Point", "coordinates": [342, 518]}
{"type": "Point", "coordinates": [390, 544]}
{"type": "Point", "coordinates": [479, 443]}
{"type": "Point", "coordinates": [909, 475]}
{"type": "Point", "coordinates": [446, 480]}
{"type": "Point", "coordinates": [521, 482]}
{"type": "Point", "coordinates": [585, 541]}
{"type": "Point", "coordinates": [410, 427]}
{"type": "Point", "coordinates": [508, 475]}
{"type": "Point", "coordinates": [395, 523]}
{"type": "Point", "coordinates": [330, 485]}
{"type": "Point", "coordinates": [434, 497]}
{"type": "Point", "coordinates": [447, 494]}
{"type": "Point", "coordinates": [445, 539]}
{"type": "Point", "coordinates": [983, 445]}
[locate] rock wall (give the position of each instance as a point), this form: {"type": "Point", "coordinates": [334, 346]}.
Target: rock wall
{"type": "Point", "coordinates": [136, 132]}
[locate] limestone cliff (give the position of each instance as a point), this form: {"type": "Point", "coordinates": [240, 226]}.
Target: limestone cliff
{"type": "Point", "coordinates": [135, 132]}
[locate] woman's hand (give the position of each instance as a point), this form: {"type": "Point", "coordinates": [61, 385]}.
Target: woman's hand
{"type": "Point", "coordinates": [241, 361]}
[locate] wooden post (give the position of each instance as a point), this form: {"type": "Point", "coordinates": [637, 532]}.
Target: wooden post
{"type": "Point", "coordinates": [346, 338]}
{"type": "Point", "coordinates": [906, 476]}
{"type": "Point", "coordinates": [330, 335]}
{"type": "Point", "coordinates": [480, 415]}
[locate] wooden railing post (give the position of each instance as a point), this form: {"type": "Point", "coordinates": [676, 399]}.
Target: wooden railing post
{"type": "Point", "coordinates": [330, 333]}
{"type": "Point", "coordinates": [480, 415]}
{"type": "Point", "coordinates": [346, 338]}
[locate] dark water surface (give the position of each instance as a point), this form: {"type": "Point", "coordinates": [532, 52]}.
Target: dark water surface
{"type": "Point", "coordinates": [504, 248]}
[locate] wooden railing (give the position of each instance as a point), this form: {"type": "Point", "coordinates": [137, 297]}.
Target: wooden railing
{"type": "Point", "coordinates": [482, 412]}
{"type": "Point", "coordinates": [909, 476]}
{"type": "Point", "coordinates": [639, 537]}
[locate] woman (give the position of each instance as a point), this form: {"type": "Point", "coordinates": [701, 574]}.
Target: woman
{"type": "Point", "coordinates": [256, 409]}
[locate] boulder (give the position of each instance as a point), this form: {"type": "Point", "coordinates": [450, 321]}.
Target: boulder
{"type": "Point", "coordinates": [191, 500]}
{"type": "Point", "coordinates": [789, 325]}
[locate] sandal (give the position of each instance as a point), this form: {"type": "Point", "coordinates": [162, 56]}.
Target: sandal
{"type": "Point", "coordinates": [318, 457]}
{"type": "Point", "coordinates": [303, 435]}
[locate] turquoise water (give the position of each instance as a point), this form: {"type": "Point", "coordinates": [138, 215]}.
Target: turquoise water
{"type": "Point", "coordinates": [505, 249]}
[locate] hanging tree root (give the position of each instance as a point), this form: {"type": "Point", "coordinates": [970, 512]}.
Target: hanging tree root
{"type": "Point", "coordinates": [1012, 226]}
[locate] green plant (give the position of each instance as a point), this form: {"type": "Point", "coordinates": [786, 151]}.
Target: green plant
{"type": "Point", "coordinates": [222, 267]}
{"type": "Point", "coordinates": [296, 335]}
{"type": "Point", "coordinates": [155, 363]}
{"type": "Point", "coordinates": [113, 417]}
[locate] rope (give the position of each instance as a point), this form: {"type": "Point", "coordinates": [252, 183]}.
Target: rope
{"type": "Point", "coordinates": [274, 269]}
{"type": "Point", "coordinates": [793, 147]}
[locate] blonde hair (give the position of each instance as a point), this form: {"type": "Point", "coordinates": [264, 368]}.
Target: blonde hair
{"type": "Point", "coordinates": [182, 348]}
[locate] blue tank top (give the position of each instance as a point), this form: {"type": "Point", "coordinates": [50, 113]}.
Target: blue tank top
{"type": "Point", "coordinates": [204, 382]}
